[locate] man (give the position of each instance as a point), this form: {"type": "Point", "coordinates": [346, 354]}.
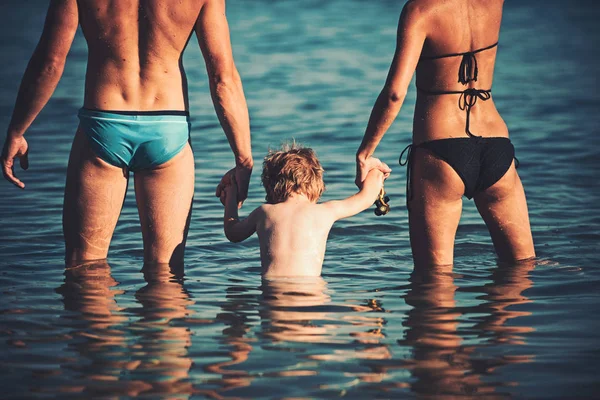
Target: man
{"type": "Point", "coordinates": [134, 117]}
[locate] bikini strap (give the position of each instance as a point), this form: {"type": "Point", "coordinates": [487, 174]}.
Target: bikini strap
{"type": "Point", "coordinates": [468, 70]}
{"type": "Point", "coordinates": [459, 54]}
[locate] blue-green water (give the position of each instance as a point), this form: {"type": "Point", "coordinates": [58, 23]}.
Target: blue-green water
{"type": "Point", "coordinates": [311, 71]}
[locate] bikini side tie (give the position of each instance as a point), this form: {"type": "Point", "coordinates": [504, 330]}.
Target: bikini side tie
{"type": "Point", "coordinates": [408, 163]}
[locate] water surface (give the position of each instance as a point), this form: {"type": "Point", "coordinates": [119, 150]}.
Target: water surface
{"type": "Point", "coordinates": [367, 328]}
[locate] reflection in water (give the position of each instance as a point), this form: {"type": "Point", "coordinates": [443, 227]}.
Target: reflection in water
{"type": "Point", "coordinates": [99, 339]}
{"type": "Point", "coordinates": [508, 283]}
{"type": "Point", "coordinates": [291, 330]}
{"type": "Point", "coordinates": [124, 357]}
{"type": "Point", "coordinates": [439, 365]}
{"type": "Point", "coordinates": [296, 312]}
{"type": "Point", "coordinates": [289, 307]}
{"type": "Point", "coordinates": [442, 364]}
{"type": "Point", "coordinates": [161, 346]}
{"type": "Point", "coordinates": [235, 316]}
{"type": "Point", "coordinates": [300, 331]}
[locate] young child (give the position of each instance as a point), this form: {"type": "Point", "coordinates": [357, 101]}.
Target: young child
{"type": "Point", "coordinates": [292, 227]}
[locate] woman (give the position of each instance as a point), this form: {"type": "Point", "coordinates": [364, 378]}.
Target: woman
{"type": "Point", "coordinates": [460, 142]}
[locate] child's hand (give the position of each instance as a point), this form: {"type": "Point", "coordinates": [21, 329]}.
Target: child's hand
{"type": "Point", "coordinates": [376, 177]}
{"type": "Point", "coordinates": [229, 189]}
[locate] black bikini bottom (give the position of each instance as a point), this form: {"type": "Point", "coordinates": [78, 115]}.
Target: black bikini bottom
{"type": "Point", "coordinates": [479, 161]}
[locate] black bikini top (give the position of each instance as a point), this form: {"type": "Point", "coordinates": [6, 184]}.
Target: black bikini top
{"type": "Point", "coordinates": [467, 72]}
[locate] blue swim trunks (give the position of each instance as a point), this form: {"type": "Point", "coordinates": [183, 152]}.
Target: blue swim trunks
{"type": "Point", "coordinates": [135, 139]}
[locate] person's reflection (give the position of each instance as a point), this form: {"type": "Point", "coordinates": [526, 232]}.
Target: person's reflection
{"type": "Point", "coordinates": [110, 364]}
{"type": "Point", "coordinates": [236, 315]}
{"type": "Point", "coordinates": [162, 346]}
{"type": "Point", "coordinates": [509, 281]}
{"type": "Point", "coordinates": [98, 337]}
{"type": "Point", "coordinates": [438, 363]}
{"type": "Point", "coordinates": [298, 311]}
{"type": "Point", "coordinates": [442, 364]}
{"type": "Point", "coordinates": [288, 307]}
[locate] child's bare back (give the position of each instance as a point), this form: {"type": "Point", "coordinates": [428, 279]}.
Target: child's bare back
{"type": "Point", "coordinates": [293, 235]}
{"type": "Point", "coordinates": [292, 227]}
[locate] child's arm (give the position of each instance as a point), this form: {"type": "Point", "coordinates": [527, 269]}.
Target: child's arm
{"type": "Point", "coordinates": [360, 201]}
{"type": "Point", "coordinates": [236, 230]}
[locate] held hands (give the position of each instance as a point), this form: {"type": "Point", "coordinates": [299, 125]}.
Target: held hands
{"type": "Point", "coordinates": [229, 190]}
{"type": "Point", "coordinates": [14, 147]}
{"type": "Point", "coordinates": [373, 183]}
{"type": "Point", "coordinates": [234, 183]}
{"type": "Point", "coordinates": [364, 166]}
{"type": "Point", "coordinates": [375, 177]}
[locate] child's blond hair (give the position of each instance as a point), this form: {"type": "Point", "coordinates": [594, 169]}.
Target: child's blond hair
{"type": "Point", "coordinates": [293, 169]}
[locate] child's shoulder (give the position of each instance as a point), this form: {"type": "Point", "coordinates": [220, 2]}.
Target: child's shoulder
{"type": "Point", "coordinates": [263, 209]}
{"type": "Point", "coordinates": [325, 208]}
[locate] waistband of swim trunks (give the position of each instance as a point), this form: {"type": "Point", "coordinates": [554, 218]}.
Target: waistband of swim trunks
{"type": "Point", "coordinates": [145, 116]}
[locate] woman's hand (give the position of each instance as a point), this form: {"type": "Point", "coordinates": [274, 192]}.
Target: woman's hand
{"type": "Point", "coordinates": [14, 147]}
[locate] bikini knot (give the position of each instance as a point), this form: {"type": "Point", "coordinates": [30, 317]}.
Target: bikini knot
{"type": "Point", "coordinates": [468, 99]}
{"type": "Point", "coordinates": [468, 70]}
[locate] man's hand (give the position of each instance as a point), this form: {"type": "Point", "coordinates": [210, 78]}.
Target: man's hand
{"type": "Point", "coordinates": [14, 147]}
{"type": "Point", "coordinates": [240, 176]}
{"type": "Point", "coordinates": [363, 166]}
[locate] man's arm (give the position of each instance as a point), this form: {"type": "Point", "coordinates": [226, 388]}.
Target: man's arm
{"type": "Point", "coordinates": [46, 64]}
{"type": "Point", "coordinates": [410, 40]}
{"type": "Point", "coordinates": [362, 200]}
{"type": "Point", "coordinates": [39, 81]}
{"type": "Point", "coordinates": [226, 89]}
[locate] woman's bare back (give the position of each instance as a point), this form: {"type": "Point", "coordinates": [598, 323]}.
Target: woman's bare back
{"type": "Point", "coordinates": [454, 27]}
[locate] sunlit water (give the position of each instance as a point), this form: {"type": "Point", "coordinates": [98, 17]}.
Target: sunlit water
{"type": "Point", "coordinates": [367, 329]}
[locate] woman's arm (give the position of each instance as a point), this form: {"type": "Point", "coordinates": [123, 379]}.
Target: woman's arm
{"type": "Point", "coordinates": [410, 40]}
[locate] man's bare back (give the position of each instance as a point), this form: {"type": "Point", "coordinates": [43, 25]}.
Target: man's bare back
{"type": "Point", "coordinates": [135, 51]}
